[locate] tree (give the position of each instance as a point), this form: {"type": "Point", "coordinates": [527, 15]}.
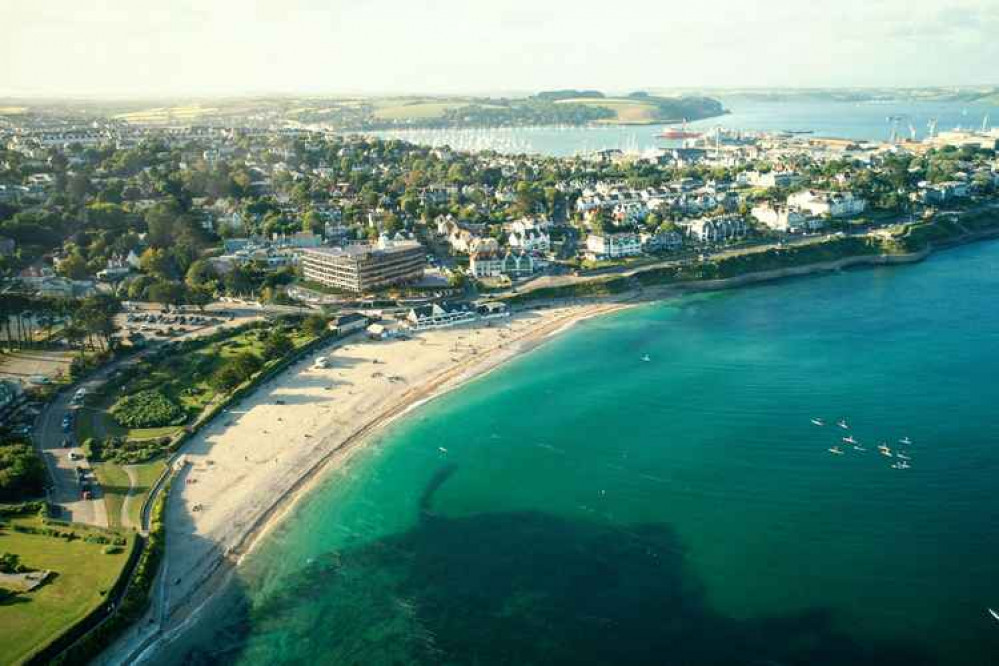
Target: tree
{"type": "Point", "coordinates": [167, 292]}
{"type": "Point", "coordinates": [160, 222]}
{"type": "Point", "coordinates": [276, 345]}
{"type": "Point", "coordinates": [314, 325]}
{"type": "Point", "coordinates": [22, 473]}
{"type": "Point", "coordinates": [234, 371]}
{"type": "Point", "coordinates": [238, 281]}
{"type": "Point", "coordinates": [158, 263]}
{"type": "Point", "coordinates": [311, 222]}
{"type": "Point", "coordinates": [74, 266]}
{"type": "Point", "coordinates": [200, 274]}
{"type": "Point", "coordinates": [78, 186]}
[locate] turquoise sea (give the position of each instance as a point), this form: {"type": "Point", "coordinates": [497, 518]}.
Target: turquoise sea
{"type": "Point", "coordinates": [595, 508]}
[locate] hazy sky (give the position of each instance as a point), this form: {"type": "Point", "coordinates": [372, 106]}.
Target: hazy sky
{"type": "Point", "coordinates": [220, 47]}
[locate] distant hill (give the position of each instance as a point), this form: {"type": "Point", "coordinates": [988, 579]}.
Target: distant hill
{"type": "Point", "coordinates": [969, 95]}
{"type": "Point", "coordinates": [555, 107]}
{"type": "Point", "coordinates": [558, 95]}
{"type": "Point", "coordinates": [642, 108]}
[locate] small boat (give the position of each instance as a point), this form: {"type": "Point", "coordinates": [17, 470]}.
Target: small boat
{"type": "Point", "coordinates": [884, 450]}
{"type": "Point", "coordinates": [858, 447]}
{"type": "Point", "coordinates": [900, 465]}
{"type": "Point", "coordinates": [902, 456]}
{"type": "Point", "coordinates": [442, 450]}
{"type": "Point", "coordinates": [843, 424]}
{"type": "Point", "coordinates": [836, 450]}
{"type": "Point", "coordinates": [905, 440]}
{"type": "Point", "coordinates": [818, 422]}
{"type": "Point", "coordinates": [646, 358]}
{"type": "Point", "coordinates": [994, 614]}
{"type": "Point", "coordinates": [850, 440]}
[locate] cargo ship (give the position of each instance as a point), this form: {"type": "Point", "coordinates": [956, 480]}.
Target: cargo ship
{"type": "Point", "coordinates": [678, 132]}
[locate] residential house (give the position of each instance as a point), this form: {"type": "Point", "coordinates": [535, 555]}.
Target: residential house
{"type": "Point", "coordinates": [661, 241]}
{"type": "Point", "coordinates": [780, 218]}
{"type": "Point", "coordinates": [485, 264]}
{"type": "Point", "coordinates": [518, 264]}
{"type": "Point", "coordinates": [827, 204]}
{"type": "Point", "coordinates": [348, 323]}
{"type": "Point", "coordinates": [530, 240]}
{"type": "Point", "coordinates": [941, 193]}
{"type": "Point", "coordinates": [715, 229]}
{"type": "Point", "coordinates": [439, 315]}
{"type": "Point", "coordinates": [613, 245]}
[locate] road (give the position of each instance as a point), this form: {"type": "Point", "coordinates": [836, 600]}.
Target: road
{"type": "Point", "coordinates": [65, 492]}
{"type": "Point", "coordinates": [630, 270]}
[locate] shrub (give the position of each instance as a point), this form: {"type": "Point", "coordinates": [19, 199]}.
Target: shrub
{"type": "Point", "coordinates": [146, 409]}
{"type": "Point", "coordinates": [22, 473]}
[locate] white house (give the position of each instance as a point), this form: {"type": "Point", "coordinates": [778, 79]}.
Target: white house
{"type": "Point", "coordinates": [530, 240]}
{"type": "Point", "coordinates": [716, 229]}
{"type": "Point", "coordinates": [773, 178]}
{"type": "Point", "coordinates": [485, 264]}
{"type": "Point", "coordinates": [780, 218]}
{"type": "Point", "coordinates": [827, 204]}
{"type": "Point", "coordinates": [439, 315]}
{"type": "Point", "coordinates": [613, 245]}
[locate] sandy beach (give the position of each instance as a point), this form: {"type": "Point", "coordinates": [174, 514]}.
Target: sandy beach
{"type": "Point", "coordinates": [246, 469]}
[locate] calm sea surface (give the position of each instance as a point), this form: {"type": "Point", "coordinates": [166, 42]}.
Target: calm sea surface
{"type": "Point", "coordinates": [860, 121]}
{"type": "Point", "coordinates": [595, 508]}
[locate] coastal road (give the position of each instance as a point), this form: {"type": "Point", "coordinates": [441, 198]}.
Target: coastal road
{"type": "Point", "coordinates": [65, 491]}
{"type": "Point", "coordinates": [630, 271]}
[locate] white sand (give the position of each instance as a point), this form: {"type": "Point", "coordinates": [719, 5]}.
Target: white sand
{"type": "Point", "coordinates": [247, 467]}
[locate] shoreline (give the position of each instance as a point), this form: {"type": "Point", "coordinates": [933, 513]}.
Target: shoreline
{"type": "Point", "coordinates": [224, 563]}
{"type": "Point", "coordinates": [171, 613]}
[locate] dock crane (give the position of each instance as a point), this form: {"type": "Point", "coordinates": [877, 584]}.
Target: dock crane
{"type": "Point", "coordinates": [985, 124]}
{"type": "Point", "coordinates": [932, 127]}
{"type": "Point", "coordinates": [894, 128]}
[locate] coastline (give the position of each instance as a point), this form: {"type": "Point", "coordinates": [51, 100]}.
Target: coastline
{"type": "Point", "coordinates": [206, 544]}
{"type": "Point", "coordinates": [172, 617]}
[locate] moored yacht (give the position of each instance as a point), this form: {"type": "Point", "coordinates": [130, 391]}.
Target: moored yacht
{"type": "Point", "coordinates": [884, 450]}
{"type": "Point", "coordinates": [843, 424]}
{"type": "Point", "coordinates": [850, 440]}
{"type": "Point", "coordinates": [836, 450]}
{"type": "Point", "coordinates": [818, 422]}
{"type": "Point", "coordinates": [905, 440]}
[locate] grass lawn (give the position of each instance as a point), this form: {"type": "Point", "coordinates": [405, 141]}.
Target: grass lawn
{"type": "Point", "coordinates": [167, 114]}
{"type": "Point", "coordinates": [414, 110]}
{"type": "Point", "coordinates": [627, 110]}
{"type": "Point", "coordinates": [115, 485]}
{"type": "Point", "coordinates": [182, 377]}
{"type": "Point", "coordinates": [83, 572]}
